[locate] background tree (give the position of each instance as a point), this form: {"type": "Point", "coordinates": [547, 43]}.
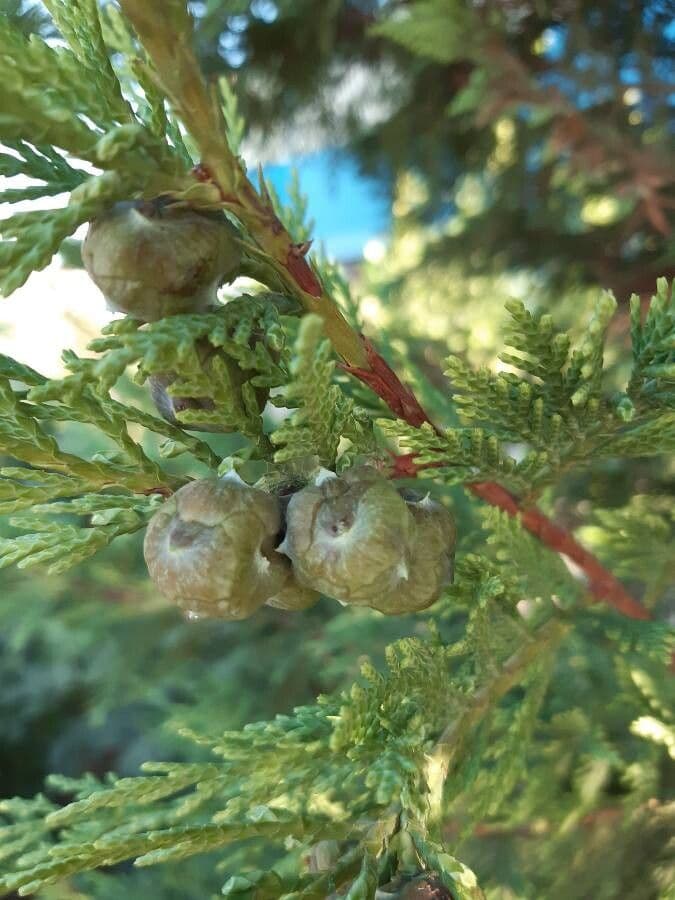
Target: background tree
{"type": "Point", "coordinates": [546, 124]}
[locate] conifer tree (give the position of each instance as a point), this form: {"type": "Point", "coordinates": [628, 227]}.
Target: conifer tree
{"type": "Point", "coordinates": [515, 739]}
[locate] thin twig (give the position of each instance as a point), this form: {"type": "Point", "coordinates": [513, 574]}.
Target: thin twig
{"type": "Point", "coordinates": [449, 745]}
{"type": "Point", "coordinates": [601, 582]}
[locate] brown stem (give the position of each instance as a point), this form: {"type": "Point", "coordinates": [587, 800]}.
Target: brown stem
{"type": "Point", "coordinates": [601, 583]}
{"type": "Point", "coordinates": [382, 379]}
{"type": "Point", "coordinates": [162, 489]}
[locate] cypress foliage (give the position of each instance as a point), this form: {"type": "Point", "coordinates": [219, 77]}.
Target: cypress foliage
{"type": "Point", "coordinates": [511, 740]}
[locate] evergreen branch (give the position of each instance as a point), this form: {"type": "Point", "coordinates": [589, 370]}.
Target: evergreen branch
{"type": "Point", "coordinates": [28, 62]}
{"type": "Point", "coordinates": [148, 849]}
{"type": "Point", "coordinates": [353, 767]}
{"type": "Point", "coordinates": [40, 162]}
{"type": "Point", "coordinates": [21, 488]}
{"type": "Point", "coordinates": [378, 375]}
{"type": "Point", "coordinates": [31, 115]}
{"type": "Point", "coordinates": [79, 23]}
{"type": "Point", "coordinates": [564, 393]}
{"type": "Point", "coordinates": [454, 874]}
{"type": "Point", "coordinates": [150, 100]}
{"type": "Point", "coordinates": [52, 474]}
{"type": "Point", "coordinates": [63, 546]}
{"type": "Point", "coordinates": [228, 357]}
{"type": "Point", "coordinates": [371, 739]}
{"type": "Point", "coordinates": [450, 744]}
{"type": "Point", "coordinates": [601, 582]}
{"type": "Point", "coordinates": [322, 413]}
{"type": "Point", "coordinates": [346, 868]}
{"type": "Point", "coordinates": [30, 239]}
{"type": "Point", "coordinates": [618, 537]}
{"type": "Point", "coordinates": [234, 120]}
{"type": "Point", "coordinates": [166, 32]}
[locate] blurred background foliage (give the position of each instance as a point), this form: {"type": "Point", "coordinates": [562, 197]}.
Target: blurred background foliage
{"type": "Point", "coordinates": [521, 148]}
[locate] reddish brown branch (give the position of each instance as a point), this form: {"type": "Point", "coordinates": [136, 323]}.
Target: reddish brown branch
{"type": "Point", "coordinates": [601, 583]}
{"type": "Point", "coordinates": [162, 489]}
{"type": "Point", "coordinates": [302, 273]}
{"type": "Point", "coordinates": [382, 379]}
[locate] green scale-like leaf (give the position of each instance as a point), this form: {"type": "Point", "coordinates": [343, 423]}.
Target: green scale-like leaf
{"type": "Point", "coordinates": [323, 415]}
{"type": "Point", "coordinates": [556, 409]}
